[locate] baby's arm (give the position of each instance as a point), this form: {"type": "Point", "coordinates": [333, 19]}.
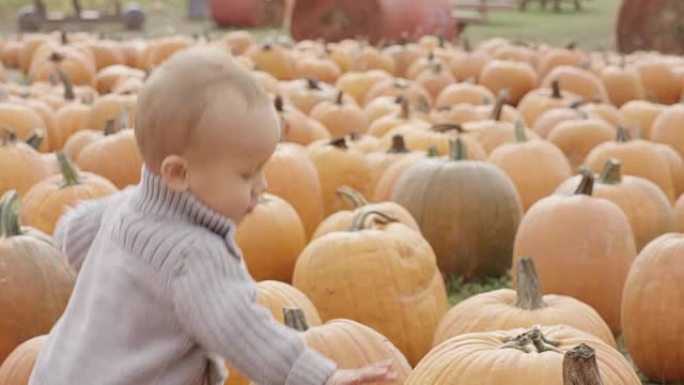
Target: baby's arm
{"type": "Point", "coordinates": [213, 299]}
{"type": "Point", "coordinates": [77, 228]}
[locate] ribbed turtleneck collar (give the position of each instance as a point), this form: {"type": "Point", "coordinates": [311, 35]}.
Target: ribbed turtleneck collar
{"type": "Point", "coordinates": [155, 198]}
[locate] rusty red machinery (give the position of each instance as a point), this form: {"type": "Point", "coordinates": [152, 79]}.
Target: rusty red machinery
{"type": "Point", "coordinates": [651, 25]}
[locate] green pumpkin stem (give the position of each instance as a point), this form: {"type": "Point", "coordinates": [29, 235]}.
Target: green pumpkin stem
{"type": "Point", "coordinates": [580, 366]}
{"type": "Point", "coordinates": [69, 171]}
{"type": "Point", "coordinates": [398, 145]}
{"type": "Point", "coordinates": [457, 149]}
{"type": "Point", "coordinates": [623, 135]}
{"type": "Point", "coordinates": [9, 215]}
{"type": "Point", "coordinates": [359, 222]}
{"type": "Point", "coordinates": [611, 173]}
{"type": "Point", "coordinates": [586, 186]}
{"type": "Point", "coordinates": [520, 134]}
{"type": "Point", "coordinates": [35, 140]}
{"type": "Point", "coordinates": [528, 291]}
{"type": "Point", "coordinates": [432, 151]}
{"type": "Point", "coordinates": [354, 197]}
{"type": "Point", "coordinates": [556, 90]}
{"type": "Point", "coordinates": [295, 319]}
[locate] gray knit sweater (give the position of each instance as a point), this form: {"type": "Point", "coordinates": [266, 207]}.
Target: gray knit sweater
{"type": "Point", "coordinates": [162, 296]}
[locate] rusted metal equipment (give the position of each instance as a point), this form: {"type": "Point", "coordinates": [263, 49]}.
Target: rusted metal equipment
{"type": "Point", "coordinates": [33, 17]}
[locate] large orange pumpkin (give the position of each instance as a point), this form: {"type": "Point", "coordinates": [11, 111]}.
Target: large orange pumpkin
{"type": "Point", "coordinates": [275, 259]}
{"type": "Point", "coordinates": [37, 280]}
{"type": "Point", "coordinates": [549, 119]}
{"type": "Point", "coordinates": [18, 366]}
{"type": "Point", "coordinates": [524, 307]}
{"type": "Point", "coordinates": [339, 164]}
{"type": "Point", "coordinates": [652, 314]}
{"type": "Point", "coordinates": [516, 357]}
{"type": "Point", "coordinates": [645, 204]}
{"type": "Point", "coordinates": [46, 202]}
{"type": "Point", "coordinates": [596, 241]}
{"type": "Point", "coordinates": [339, 270]}
{"type": "Point", "coordinates": [468, 64]}
{"type": "Point", "coordinates": [291, 163]}
{"type": "Point", "coordinates": [536, 167]}
{"type": "Point", "coordinates": [457, 203]}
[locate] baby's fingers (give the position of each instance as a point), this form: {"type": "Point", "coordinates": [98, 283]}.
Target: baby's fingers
{"type": "Point", "coordinates": [378, 372]}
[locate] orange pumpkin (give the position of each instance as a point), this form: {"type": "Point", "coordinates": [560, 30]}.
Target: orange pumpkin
{"type": "Point", "coordinates": [107, 78]}
{"type": "Point", "coordinates": [357, 84]}
{"type": "Point", "coordinates": [535, 103]}
{"type": "Point", "coordinates": [49, 57]}
{"type": "Point", "coordinates": [337, 271]}
{"type": "Point", "coordinates": [306, 93]}
{"type": "Point", "coordinates": [639, 115]}
{"type": "Point", "coordinates": [115, 157]}
{"type": "Point", "coordinates": [274, 59]}
{"type": "Point", "coordinates": [659, 81]}
{"type": "Point", "coordinates": [157, 51]}
{"type": "Point", "coordinates": [536, 167]}
{"type": "Point", "coordinates": [524, 307]}
{"type": "Point", "coordinates": [238, 41]}
{"type": "Point", "coordinates": [464, 93]}
{"type": "Point", "coordinates": [435, 78]}
{"type": "Point", "coordinates": [651, 309]}
{"type": "Point", "coordinates": [297, 127]}
{"type": "Point", "coordinates": [404, 55]}
{"type": "Point", "coordinates": [516, 77]}
{"type": "Point", "coordinates": [76, 142]}
{"type": "Point", "coordinates": [411, 91]}
{"type": "Point", "coordinates": [568, 56]}
{"type": "Point", "coordinates": [388, 179]}
{"type": "Point", "coordinates": [23, 122]}
{"type": "Point", "coordinates": [549, 119]}
{"type": "Point", "coordinates": [341, 117]}
{"type": "Point", "coordinates": [22, 166]}
{"type": "Point", "coordinates": [33, 270]}
{"type": "Point", "coordinates": [370, 58]}
{"type": "Point", "coordinates": [666, 128]}
{"type": "Point", "coordinates": [646, 206]}
{"type": "Point", "coordinates": [468, 64]}
{"type": "Point", "coordinates": [623, 84]}
{"type": "Point", "coordinates": [579, 82]}
{"type": "Point", "coordinates": [605, 111]}
{"type": "Point", "coordinates": [18, 366]}
{"type": "Point", "coordinates": [596, 241]}
{"type": "Point", "coordinates": [339, 164]}
{"type": "Point", "coordinates": [577, 137]}
{"type": "Point", "coordinates": [111, 106]}
{"type": "Point", "coordinates": [274, 259]}
{"type": "Point", "coordinates": [324, 70]}
{"type": "Point", "coordinates": [46, 202]}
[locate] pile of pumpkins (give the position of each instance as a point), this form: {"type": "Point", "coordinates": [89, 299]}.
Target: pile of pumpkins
{"type": "Point", "coordinates": [414, 162]}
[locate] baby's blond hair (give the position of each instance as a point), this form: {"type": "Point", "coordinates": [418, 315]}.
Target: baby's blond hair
{"type": "Point", "coordinates": [179, 91]}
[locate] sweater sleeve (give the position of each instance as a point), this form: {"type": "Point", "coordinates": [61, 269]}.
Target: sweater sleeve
{"type": "Point", "coordinates": [77, 228]}
{"type": "Point", "coordinates": [215, 302]}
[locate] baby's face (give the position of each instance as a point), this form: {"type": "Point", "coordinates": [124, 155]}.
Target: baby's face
{"type": "Point", "coordinates": [225, 161]}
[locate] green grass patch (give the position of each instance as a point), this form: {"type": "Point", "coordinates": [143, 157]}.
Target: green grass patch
{"type": "Point", "coordinates": [458, 289]}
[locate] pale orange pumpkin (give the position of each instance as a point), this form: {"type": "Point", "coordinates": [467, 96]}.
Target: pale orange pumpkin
{"type": "Point", "coordinates": [516, 77]}
{"type": "Point", "coordinates": [238, 41]}
{"type": "Point", "coordinates": [111, 106]}
{"type": "Point", "coordinates": [337, 271]}
{"type": "Point", "coordinates": [659, 81]}
{"type": "Point", "coordinates": [468, 64]}
{"type": "Point", "coordinates": [411, 91]}
{"type": "Point", "coordinates": [157, 51]}
{"type": "Point", "coordinates": [370, 58]}
{"type": "Point", "coordinates": [435, 78]}
{"type": "Point", "coordinates": [306, 93]}
{"type": "Point", "coordinates": [535, 103]}
{"type": "Point", "coordinates": [357, 84]}
{"type": "Point", "coordinates": [18, 366]}
{"type": "Point", "coordinates": [274, 259]}
{"type": "Point", "coordinates": [115, 157]}
{"type": "Point", "coordinates": [578, 137]}
{"type": "Point", "coordinates": [596, 241]}
{"type": "Point", "coordinates": [639, 115]}
{"type": "Point", "coordinates": [623, 84]}
{"type": "Point", "coordinates": [23, 122]}
{"type": "Point", "coordinates": [464, 93]}
{"type": "Point", "coordinates": [524, 307]}
{"type": "Point", "coordinates": [297, 127]}
{"type": "Point", "coordinates": [578, 81]}
{"type": "Point", "coordinates": [341, 117]}
{"type": "Point", "coordinates": [22, 165]}
{"type": "Point", "coordinates": [274, 59]}
{"type": "Point", "coordinates": [666, 128]}
{"type": "Point", "coordinates": [322, 69]}
{"type": "Point", "coordinates": [568, 56]}
{"type": "Point", "coordinates": [46, 202]}
{"type": "Point", "coordinates": [549, 119]}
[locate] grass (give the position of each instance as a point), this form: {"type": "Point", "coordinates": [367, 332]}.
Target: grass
{"type": "Point", "coordinates": [460, 290]}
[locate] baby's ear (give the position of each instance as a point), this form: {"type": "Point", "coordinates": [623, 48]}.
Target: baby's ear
{"type": "Point", "coordinates": [174, 171]}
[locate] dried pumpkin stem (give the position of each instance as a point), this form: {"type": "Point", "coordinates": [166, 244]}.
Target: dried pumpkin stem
{"type": "Point", "coordinates": [123, 118]}
{"type": "Point", "coordinates": [278, 103]}
{"type": "Point", "coordinates": [8, 136]}
{"type": "Point", "coordinates": [466, 44]}
{"type": "Point", "coordinates": [520, 134]}
{"type": "Point", "coordinates": [556, 90]}
{"type": "Point", "coordinates": [35, 139]}
{"type": "Point", "coordinates": [527, 287]}
{"type": "Point", "coordinates": [110, 127]}
{"type": "Point", "coordinates": [295, 319]}
{"type": "Point", "coordinates": [432, 151]}
{"type": "Point", "coordinates": [611, 174]}
{"type": "Point", "coordinates": [340, 143]}
{"type": "Point", "coordinates": [498, 107]}
{"type": "Point", "coordinates": [623, 135]}
{"type": "Point", "coordinates": [354, 197]}
{"type": "Point", "coordinates": [457, 149]}
{"type": "Point", "coordinates": [444, 127]}
{"type": "Point", "coordinates": [398, 145]}
{"type": "Point", "coordinates": [69, 94]}
{"type": "Point", "coordinates": [529, 341]}
{"type": "Point", "coordinates": [338, 99]}
{"type": "Point", "coordinates": [405, 107]}
{"type": "Point", "coordinates": [361, 217]}
{"type": "Point", "coordinates": [9, 215]}
{"type": "Point", "coordinates": [69, 171]}
{"type": "Point", "coordinates": [580, 366]}
{"type": "Point", "coordinates": [312, 83]}
{"type": "Point", "coordinates": [586, 186]}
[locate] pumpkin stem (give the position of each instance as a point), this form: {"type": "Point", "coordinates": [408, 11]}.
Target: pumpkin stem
{"type": "Point", "coordinates": [278, 103]}
{"type": "Point", "coordinates": [444, 127]}
{"type": "Point", "coordinates": [110, 127]}
{"type": "Point", "coordinates": [35, 139]}
{"type": "Point", "coordinates": [340, 143]}
{"type": "Point", "coordinates": [68, 86]}
{"type": "Point", "coordinates": [580, 367]}
{"type": "Point", "coordinates": [398, 145]}
{"type": "Point", "coordinates": [338, 99]}
{"type": "Point", "coordinates": [295, 319]}
{"type": "Point", "coordinates": [586, 186]}
{"type": "Point", "coordinates": [405, 107]}
{"type": "Point", "coordinates": [611, 173]}
{"type": "Point", "coordinates": [498, 107]}
{"type": "Point", "coordinates": [572, 45]}
{"type": "Point", "coordinates": [123, 118]}
{"type": "Point", "coordinates": [527, 287]}
{"type": "Point", "coordinates": [457, 149]}
{"type": "Point", "coordinates": [623, 135]}
{"type": "Point", "coordinates": [352, 196]}
{"type": "Point", "coordinates": [69, 172]}
{"type": "Point", "coordinates": [432, 151]}
{"type": "Point", "coordinates": [9, 215]}
{"type": "Point", "coordinates": [466, 44]}
{"type": "Point", "coordinates": [63, 37]}
{"type": "Point", "coordinates": [312, 83]}
{"type": "Point", "coordinates": [361, 217]}
{"type": "Point", "coordinates": [576, 105]}
{"type": "Point", "coordinates": [520, 134]}
{"type": "Point", "coordinates": [8, 136]}
{"type": "Point", "coordinates": [529, 340]}
{"type": "Point", "coordinates": [556, 90]}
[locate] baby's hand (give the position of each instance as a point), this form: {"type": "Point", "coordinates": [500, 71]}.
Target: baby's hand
{"type": "Point", "coordinates": [378, 372]}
